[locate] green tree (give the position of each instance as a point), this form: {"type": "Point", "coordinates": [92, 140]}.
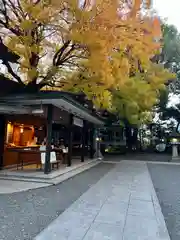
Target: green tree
{"type": "Point", "coordinates": [170, 57]}
{"type": "Point", "coordinates": [171, 46]}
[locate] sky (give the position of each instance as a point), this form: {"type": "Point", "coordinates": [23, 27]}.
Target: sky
{"type": "Point", "coordinates": [169, 9]}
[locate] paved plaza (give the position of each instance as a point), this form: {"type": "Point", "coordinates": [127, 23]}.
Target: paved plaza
{"type": "Point", "coordinates": [122, 205]}
{"type": "Point", "coordinates": [24, 214]}
{"type": "Point", "coordinates": [166, 179]}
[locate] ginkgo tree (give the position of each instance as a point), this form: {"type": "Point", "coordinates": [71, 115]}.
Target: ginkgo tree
{"type": "Point", "coordinates": [134, 101]}
{"type": "Point", "coordinates": [99, 47]}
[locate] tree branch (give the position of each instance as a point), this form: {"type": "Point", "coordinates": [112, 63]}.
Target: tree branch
{"type": "Point", "coordinates": [71, 57]}
{"type": "Point", "coordinates": [7, 19]}
{"type": "Point", "coordinates": [36, 2]}
{"type": "Point", "coordinates": [66, 55]}
{"type": "Point", "coordinates": [14, 10]}
{"type": "Point", "coordinates": [10, 70]}
{"type": "Point", "coordinates": [20, 8]}
{"type": "Point", "coordinates": [59, 53]}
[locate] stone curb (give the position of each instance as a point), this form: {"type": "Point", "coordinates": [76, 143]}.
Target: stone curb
{"type": "Point", "coordinates": [138, 161]}
{"type": "Point", "coordinates": [50, 182]}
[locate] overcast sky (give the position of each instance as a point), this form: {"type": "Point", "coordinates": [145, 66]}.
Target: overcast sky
{"type": "Point", "coordinates": [169, 9]}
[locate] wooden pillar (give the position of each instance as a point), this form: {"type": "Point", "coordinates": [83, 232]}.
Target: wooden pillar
{"type": "Point", "coordinates": [2, 138]}
{"type": "Point", "coordinates": [91, 140]}
{"type": "Point", "coordinates": [70, 139]}
{"type": "Point", "coordinates": [83, 139]}
{"type": "Point", "coordinates": [47, 168]}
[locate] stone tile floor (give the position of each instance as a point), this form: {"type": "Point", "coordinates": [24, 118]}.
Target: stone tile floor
{"type": "Point", "coordinates": [166, 179]}
{"type": "Point", "coordinates": [21, 180]}
{"type": "Point", "coordinates": [8, 186]}
{"type": "Point", "coordinates": [121, 206]}
{"type": "Point", "coordinates": [25, 214]}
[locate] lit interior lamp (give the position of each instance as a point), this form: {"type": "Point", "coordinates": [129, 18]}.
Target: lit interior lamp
{"type": "Point", "coordinates": [21, 130]}
{"type": "Point", "coordinates": [174, 140]}
{"type": "Point", "coordinates": [97, 139]}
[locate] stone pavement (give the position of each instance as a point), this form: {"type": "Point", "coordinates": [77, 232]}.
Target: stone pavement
{"type": "Point", "coordinates": [152, 157]}
{"type": "Point", "coordinates": [166, 179]}
{"type": "Point", "coordinates": [19, 181]}
{"type": "Point", "coordinates": [10, 186]}
{"type": "Point", "coordinates": [23, 215]}
{"type": "Point", "coordinates": [122, 206]}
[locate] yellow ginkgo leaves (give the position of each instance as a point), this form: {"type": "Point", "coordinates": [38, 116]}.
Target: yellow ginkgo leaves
{"type": "Point", "coordinates": [97, 47]}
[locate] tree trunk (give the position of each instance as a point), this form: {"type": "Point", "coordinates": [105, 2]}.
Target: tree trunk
{"type": "Point", "coordinates": [135, 138]}
{"type": "Point", "coordinates": [32, 87]}
{"type": "Point", "coordinates": [131, 137]}
{"type": "Point", "coordinates": [128, 133]}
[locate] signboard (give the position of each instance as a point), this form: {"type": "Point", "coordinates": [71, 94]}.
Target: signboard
{"type": "Point", "coordinates": [78, 122]}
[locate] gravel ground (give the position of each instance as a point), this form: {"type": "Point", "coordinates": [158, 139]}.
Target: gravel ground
{"type": "Point", "coordinates": [166, 180]}
{"type": "Point", "coordinates": [23, 215]}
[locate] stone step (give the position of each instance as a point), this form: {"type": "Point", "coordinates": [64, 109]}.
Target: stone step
{"type": "Point", "coordinates": [52, 178]}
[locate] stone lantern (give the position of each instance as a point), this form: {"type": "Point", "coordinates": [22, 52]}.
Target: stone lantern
{"type": "Point", "coordinates": [175, 142]}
